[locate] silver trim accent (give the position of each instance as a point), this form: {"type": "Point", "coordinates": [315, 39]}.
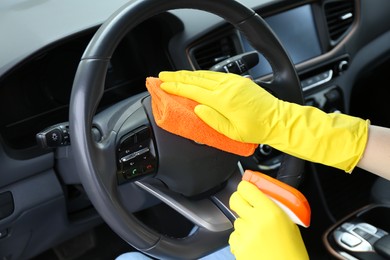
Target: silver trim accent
{"type": "Point", "coordinates": [221, 199]}
{"type": "Point", "coordinates": [346, 16]}
{"type": "Point", "coordinates": [203, 213]}
{"type": "Point", "coordinates": [265, 149]}
{"type": "Point", "coordinates": [327, 79]}
{"type": "Point", "coordinates": [347, 256]}
{"type": "Point", "coordinates": [269, 167]}
{"type": "Point", "coordinates": [240, 168]}
{"type": "Point", "coordinates": [341, 64]}
{"type": "Point", "coordinates": [134, 155]}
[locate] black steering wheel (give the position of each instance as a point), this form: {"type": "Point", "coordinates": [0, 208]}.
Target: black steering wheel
{"type": "Point", "coordinates": [194, 179]}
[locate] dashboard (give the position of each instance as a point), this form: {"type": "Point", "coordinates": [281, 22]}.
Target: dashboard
{"type": "Point", "coordinates": [36, 92]}
{"type": "Point", "coordinates": [334, 44]}
{"type": "Point", "coordinates": [36, 95]}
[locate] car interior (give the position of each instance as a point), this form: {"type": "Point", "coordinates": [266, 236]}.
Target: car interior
{"type": "Point", "coordinates": [85, 171]}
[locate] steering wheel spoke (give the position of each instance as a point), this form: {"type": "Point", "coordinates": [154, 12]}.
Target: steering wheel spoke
{"type": "Point", "coordinates": [203, 213]}
{"type": "Point", "coordinates": [105, 164]}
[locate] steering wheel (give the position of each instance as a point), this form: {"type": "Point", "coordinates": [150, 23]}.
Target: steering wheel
{"type": "Point", "coordinates": [129, 147]}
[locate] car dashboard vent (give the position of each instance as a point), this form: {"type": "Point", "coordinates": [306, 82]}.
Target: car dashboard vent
{"type": "Point", "coordinates": [339, 18]}
{"type": "Point", "coordinates": [211, 53]}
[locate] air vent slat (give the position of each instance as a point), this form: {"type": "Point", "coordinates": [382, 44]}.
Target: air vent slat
{"type": "Point", "coordinates": [339, 17]}
{"type": "Point", "coordinates": [211, 53]}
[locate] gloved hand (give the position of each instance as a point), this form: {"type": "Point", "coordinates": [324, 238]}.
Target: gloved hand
{"type": "Point", "coordinates": [263, 230]}
{"type": "Point", "coordinates": [242, 110]}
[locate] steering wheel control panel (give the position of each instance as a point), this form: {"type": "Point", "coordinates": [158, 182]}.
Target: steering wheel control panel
{"type": "Point", "coordinates": [135, 155]}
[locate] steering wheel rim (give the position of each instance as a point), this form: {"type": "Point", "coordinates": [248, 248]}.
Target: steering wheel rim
{"type": "Point", "coordinates": [90, 156]}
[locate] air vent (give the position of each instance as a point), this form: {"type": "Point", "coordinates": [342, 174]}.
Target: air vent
{"type": "Point", "coordinates": [213, 52]}
{"type": "Point", "coordinates": [339, 17]}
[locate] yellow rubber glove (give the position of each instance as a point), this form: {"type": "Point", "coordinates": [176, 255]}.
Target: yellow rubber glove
{"type": "Point", "coordinates": [240, 109]}
{"type": "Point", "coordinates": [263, 230]}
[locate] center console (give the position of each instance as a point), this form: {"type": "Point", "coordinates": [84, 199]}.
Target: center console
{"type": "Point", "coordinates": [363, 234]}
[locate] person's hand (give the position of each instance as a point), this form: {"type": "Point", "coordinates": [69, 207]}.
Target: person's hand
{"type": "Point", "coordinates": [240, 109]}
{"type": "Point", "coordinates": [233, 105]}
{"type": "Point", "coordinates": [262, 230]}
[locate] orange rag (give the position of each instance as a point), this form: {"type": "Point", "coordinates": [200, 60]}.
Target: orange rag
{"type": "Point", "coordinates": [176, 115]}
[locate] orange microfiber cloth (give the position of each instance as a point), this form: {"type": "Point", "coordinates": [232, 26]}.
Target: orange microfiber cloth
{"type": "Point", "coordinates": [176, 115]}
